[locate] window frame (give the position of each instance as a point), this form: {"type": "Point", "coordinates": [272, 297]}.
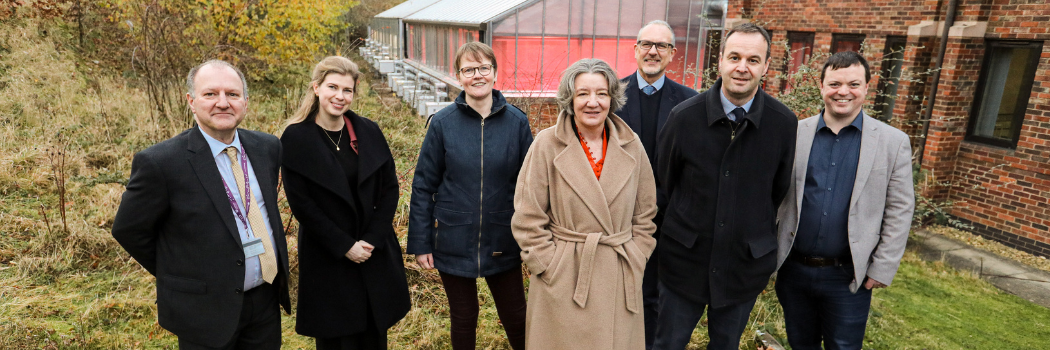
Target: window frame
{"type": "Point", "coordinates": [881, 99]}
{"type": "Point", "coordinates": [793, 37]}
{"type": "Point", "coordinates": [1027, 83]}
{"type": "Point", "coordinates": [836, 38]}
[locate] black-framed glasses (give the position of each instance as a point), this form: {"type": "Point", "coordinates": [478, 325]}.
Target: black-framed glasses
{"type": "Point", "coordinates": [484, 70]}
{"type": "Point", "coordinates": [645, 45]}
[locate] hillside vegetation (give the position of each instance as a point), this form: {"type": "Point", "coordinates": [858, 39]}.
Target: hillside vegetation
{"type": "Point", "coordinates": [71, 119]}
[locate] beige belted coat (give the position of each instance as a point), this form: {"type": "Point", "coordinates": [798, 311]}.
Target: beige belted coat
{"type": "Point", "coordinates": [587, 240]}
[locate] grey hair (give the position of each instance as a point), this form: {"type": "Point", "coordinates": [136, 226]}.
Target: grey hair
{"type": "Point", "coordinates": [567, 87]}
{"type": "Point", "coordinates": [659, 23]}
{"type": "Point", "coordinates": [192, 76]}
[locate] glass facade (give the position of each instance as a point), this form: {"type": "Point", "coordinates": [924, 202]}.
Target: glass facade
{"type": "Point", "coordinates": [535, 43]}
{"type": "Point", "coordinates": [435, 46]}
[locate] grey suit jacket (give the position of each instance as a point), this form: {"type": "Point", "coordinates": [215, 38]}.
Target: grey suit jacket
{"type": "Point", "coordinates": [881, 207]}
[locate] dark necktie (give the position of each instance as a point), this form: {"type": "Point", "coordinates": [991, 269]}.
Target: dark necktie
{"type": "Point", "coordinates": [737, 114]}
{"type": "Point", "coordinates": [649, 90]}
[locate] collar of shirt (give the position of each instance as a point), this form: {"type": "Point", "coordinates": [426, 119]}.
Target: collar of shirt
{"type": "Point", "coordinates": [858, 122]}
{"type": "Point", "coordinates": [659, 84]}
{"type": "Point", "coordinates": [729, 106]}
{"type": "Point", "coordinates": [217, 146]}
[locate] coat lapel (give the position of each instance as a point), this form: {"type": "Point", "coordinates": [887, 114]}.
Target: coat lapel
{"type": "Point", "coordinates": [670, 99]}
{"type": "Point", "coordinates": [204, 167]}
{"type": "Point", "coordinates": [374, 151]}
{"type": "Point", "coordinates": [807, 129]}
{"type": "Point", "coordinates": [306, 154]}
{"type": "Point", "coordinates": [869, 145]}
{"type": "Point", "coordinates": [633, 115]}
{"type": "Point", "coordinates": [614, 178]}
{"type": "Point", "coordinates": [574, 167]}
{"type": "Point", "coordinates": [262, 164]}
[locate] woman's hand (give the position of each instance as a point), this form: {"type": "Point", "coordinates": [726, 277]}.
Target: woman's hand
{"type": "Point", "coordinates": [426, 261]}
{"type": "Point", "coordinates": [360, 252]}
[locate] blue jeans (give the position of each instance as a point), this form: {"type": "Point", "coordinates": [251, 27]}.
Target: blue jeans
{"type": "Point", "coordinates": [819, 308]}
{"type": "Point", "coordinates": [678, 318]}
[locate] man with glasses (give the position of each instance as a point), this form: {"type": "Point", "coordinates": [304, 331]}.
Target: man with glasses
{"type": "Point", "coordinates": [650, 97]}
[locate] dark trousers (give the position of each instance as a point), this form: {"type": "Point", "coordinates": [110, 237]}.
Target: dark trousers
{"type": "Point", "coordinates": [372, 338]}
{"type": "Point", "coordinates": [819, 308]}
{"type": "Point", "coordinates": [508, 291]}
{"type": "Point", "coordinates": [259, 326]}
{"type": "Point", "coordinates": [678, 318]}
{"type": "Point", "coordinates": [651, 297]}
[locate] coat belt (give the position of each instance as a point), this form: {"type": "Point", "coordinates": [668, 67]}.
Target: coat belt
{"type": "Point", "coordinates": [590, 246]}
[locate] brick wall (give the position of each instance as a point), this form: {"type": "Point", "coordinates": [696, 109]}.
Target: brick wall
{"type": "Point", "coordinates": [1004, 193]}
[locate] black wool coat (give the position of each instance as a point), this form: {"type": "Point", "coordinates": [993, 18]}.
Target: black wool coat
{"type": "Point", "coordinates": [723, 195]}
{"type": "Point", "coordinates": [334, 292]}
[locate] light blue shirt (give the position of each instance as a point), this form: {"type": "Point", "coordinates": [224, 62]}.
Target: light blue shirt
{"type": "Point", "coordinates": [729, 106]}
{"type": "Point", "coordinates": [252, 269]}
{"type": "Point", "coordinates": [659, 84]}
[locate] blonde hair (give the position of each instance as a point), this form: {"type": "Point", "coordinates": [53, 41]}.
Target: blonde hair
{"type": "Point", "coordinates": [329, 65]}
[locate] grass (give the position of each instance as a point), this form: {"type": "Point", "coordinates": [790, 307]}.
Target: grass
{"type": "Point", "coordinates": [79, 290]}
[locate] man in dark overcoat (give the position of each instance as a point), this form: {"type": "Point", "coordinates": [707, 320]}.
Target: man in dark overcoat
{"type": "Point", "coordinates": [650, 97]}
{"type": "Point", "coordinates": [724, 160]}
{"type": "Point", "coordinates": [200, 214]}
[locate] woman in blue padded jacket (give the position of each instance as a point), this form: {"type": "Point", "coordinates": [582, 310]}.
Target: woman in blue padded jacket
{"type": "Point", "coordinates": [462, 199]}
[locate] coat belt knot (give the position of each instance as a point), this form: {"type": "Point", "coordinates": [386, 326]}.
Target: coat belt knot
{"type": "Point", "coordinates": [590, 245]}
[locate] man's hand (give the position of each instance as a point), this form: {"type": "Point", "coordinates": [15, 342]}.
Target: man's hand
{"type": "Point", "coordinates": [426, 261]}
{"type": "Point", "coordinates": [360, 252]}
{"type": "Point", "coordinates": [871, 283]}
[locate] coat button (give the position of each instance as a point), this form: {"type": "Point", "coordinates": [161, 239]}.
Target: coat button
{"type": "Point", "coordinates": [240, 262]}
{"type": "Point", "coordinates": [721, 223]}
{"type": "Point", "coordinates": [727, 173]}
{"type": "Point", "coordinates": [238, 291]}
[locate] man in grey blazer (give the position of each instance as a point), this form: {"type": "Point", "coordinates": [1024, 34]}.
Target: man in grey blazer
{"type": "Point", "coordinates": [200, 214]}
{"type": "Point", "coordinates": [845, 221]}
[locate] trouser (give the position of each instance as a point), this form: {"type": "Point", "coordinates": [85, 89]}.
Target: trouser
{"type": "Point", "coordinates": [678, 318]}
{"type": "Point", "coordinates": [259, 326]}
{"type": "Point", "coordinates": [819, 307]}
{"type": "Point", "coordinates": [508, 291]}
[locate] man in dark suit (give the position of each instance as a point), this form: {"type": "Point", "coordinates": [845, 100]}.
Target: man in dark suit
{"type": "Point", "coordinates": [724, 160]}
{"type": "Point", "coordinates": [200, 214]}
{"type": "Point", "coordinates": [650, 98]}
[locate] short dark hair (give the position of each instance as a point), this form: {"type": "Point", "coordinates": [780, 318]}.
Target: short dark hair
{"type": "Point", "coordinates": [750, 28]}
{"type": "Point", "coordinates": [846, 59]}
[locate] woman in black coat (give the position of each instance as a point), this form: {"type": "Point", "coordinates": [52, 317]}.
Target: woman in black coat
{"type": "Point", "coordinates": [342, 186]}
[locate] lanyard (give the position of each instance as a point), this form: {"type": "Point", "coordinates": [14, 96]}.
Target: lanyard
{"type": "Point", "coordinates": [247, 192]}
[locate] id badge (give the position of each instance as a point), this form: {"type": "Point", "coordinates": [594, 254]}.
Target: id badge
{"type": "Point", "coordinates": [253, 247]}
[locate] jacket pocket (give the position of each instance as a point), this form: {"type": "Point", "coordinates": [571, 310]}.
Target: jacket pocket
{"type": "Point", "coordinates": [761, 247]}
{"type": "Point", "coordinates": [559, 249]}
{"type": "Point", "coordinates": [181, 284]}
{"type": "Point", "coordinates": [502, 239]}
{"type": "Point", "coordinates": [453, 232]}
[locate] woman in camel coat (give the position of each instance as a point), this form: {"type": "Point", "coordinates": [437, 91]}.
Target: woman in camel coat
{"type": "Point", "coordinates": [584, 205]}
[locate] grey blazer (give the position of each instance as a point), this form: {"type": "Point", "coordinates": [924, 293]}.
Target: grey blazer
{"type": "Point", "coordinates": [881, 207]}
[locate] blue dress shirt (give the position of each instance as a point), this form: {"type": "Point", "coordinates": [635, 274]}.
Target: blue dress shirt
{"type": "Point", "coordinates": [252, 269]}
{"type": "Point", "coordinates": [658, 84]}
{"type": "Point", "coordinates": [823, 224]}
{"type": "Point", "coordinates": [729, 106]}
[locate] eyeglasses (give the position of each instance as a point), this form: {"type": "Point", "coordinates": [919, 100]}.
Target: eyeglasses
{"type": "Point", "coordinates": [484, 70]}
{"type": "Point", "coordinates": [661, 47]}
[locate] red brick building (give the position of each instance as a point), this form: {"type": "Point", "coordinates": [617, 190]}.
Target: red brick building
{"type": "Point", "coordinates": [989, 133]}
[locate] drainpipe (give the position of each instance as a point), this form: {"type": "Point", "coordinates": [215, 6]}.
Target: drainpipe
{"type": "Point", "coordinates": [949, 21]}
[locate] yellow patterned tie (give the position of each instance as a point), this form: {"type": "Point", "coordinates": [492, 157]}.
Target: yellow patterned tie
{"type": "Point", "coordinates": [267, 259]}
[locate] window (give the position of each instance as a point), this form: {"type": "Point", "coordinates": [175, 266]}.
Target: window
{"type": "Point", "coordinates": [892, 61]}
{"type": "Point", "coordinates": [1003, 91]}
{"type": "Point", "coordinates": [801, 47]}
{"type": "Point", "coordinates": [846, 42]}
